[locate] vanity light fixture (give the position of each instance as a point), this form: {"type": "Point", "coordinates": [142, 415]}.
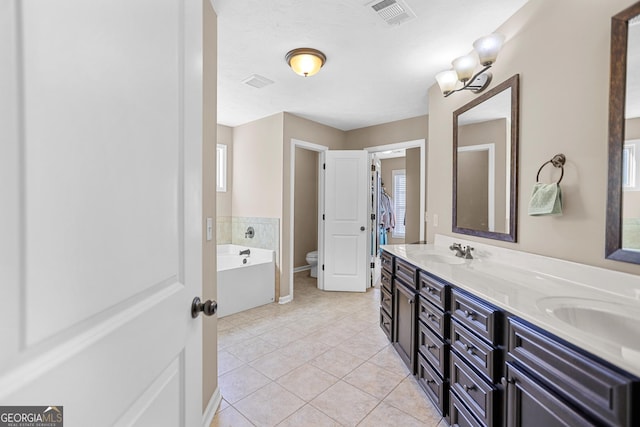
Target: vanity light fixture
{"type": "Point", "coordinates": [305, 61]}
{"type": "Point", "coordinates": [485, 52]}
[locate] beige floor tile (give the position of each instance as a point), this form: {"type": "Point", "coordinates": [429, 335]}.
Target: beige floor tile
{"type": "Point", "coordinates": [345, 403]}
{"type": "Point", "coordinates": [230, 417]}
{"type": "Point", "coordinates": [223, 405]}
{"type": "Point", "coordinates": [373, 379]}
{"type": "Point", "coordinates": [304, 349]}
{"type": "Point", "coordinates": [232, 336]}
{"type": "Point", "coordinates": [362, 347]}
{"type": "Point", "coordinates": [387, 416]}
{"type": "Point", "coordinates": [308, 416]}
{"type": "Point", "coordinates": [389, 359]}
{"type": "Point", "coordinates": [410, 398]}
{"type": "Point", "coordinates": [281, 336]}
{"type": "Point", "coordinates": [251, 349]}
{"type": "Point", "coordinates": [274, 367]}
{"type": "Point", "coordinates": [227, 362]}
{"type": "Point", "coordinates": [337, 362]}
{"type": "Point", "coordinates": [240, 383]}
{"type": "Point", "coordinates": [269, 405]}
{"type": "Point", "coordinates": [307, 381]}
{"type": "Point", "coordinates": [332, 335]}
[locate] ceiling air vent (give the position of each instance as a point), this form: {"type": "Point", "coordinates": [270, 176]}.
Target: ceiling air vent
{"type": "Point", "coordinates": [393, 12]}
{"type": "Point", "coordinates": [257, 81]}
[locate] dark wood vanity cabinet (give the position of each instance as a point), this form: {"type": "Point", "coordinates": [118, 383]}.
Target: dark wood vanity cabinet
{"type": "Point", "coordinates": [481, 366]}
{"type": "Point", "coordinates": [476, 358]}
{"type": "Point", "coordinates": [563, 384]}
{"type": "Point", "coordinates": [433, 343]}
{"type": "Point", "coordinates": [386, 295]}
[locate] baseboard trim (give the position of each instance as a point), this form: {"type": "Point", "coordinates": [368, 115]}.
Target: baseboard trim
{"type": "Point", "coordinates": [285, 299]}
{"type": "Point", "coordinates": [303, 268]}
{"type": "Point", "coordinates": [212, 406]}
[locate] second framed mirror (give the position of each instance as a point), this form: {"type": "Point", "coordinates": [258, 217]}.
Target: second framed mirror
{"type": "Point", "coordinates": [485, 164]}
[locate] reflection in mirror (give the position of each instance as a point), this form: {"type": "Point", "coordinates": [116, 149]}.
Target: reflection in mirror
{"type": "Point", "coordinates": [485, 150]}
{"type": "Point", "coordinates": [623, 203]}
{"type": "Point", "coordinates": [631, 149]}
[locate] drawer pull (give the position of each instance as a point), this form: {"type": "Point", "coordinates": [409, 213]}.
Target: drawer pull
{"type": "Point", "coordinates": [431, 290]}
{"type": "Point", "coordinates": [410, 300]}
{"type": "Point", "coordinates": [431, 382]}
{"type": "Point", "coordinates": [430, 346]}
{"type": "Point", "coordinates": [468, 348]}
{"type": "Point", "coordinates": [505, 381]}
{"type": "Point", "coordinates": [431, 316]}
{"type": "Point", "coordinates": [468, 388]}
{"type": "Point", "coordinates": [469, 314]}
{"type": "Point", "coordinates": [386, 323]}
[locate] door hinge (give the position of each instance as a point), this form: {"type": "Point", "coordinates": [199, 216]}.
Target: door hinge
{"type": "Point", "coordinates": [373, 265]}
{"type": "Point", "coordinates": [324, 166]}
{"type": "Point", "coordinates": [323, 217]}
{"type": "Point", "coordinates": [322, 267]}
{"type": "Point", "coordinates": [373, 216]}
{"type": "Point", "coordinates": [373, 168]}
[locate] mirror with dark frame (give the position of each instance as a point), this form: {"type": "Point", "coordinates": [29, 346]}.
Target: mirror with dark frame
{"type": "Point", "coordinates": [623, 204]}
{"type": "Point", "coordinates": [485, 163]}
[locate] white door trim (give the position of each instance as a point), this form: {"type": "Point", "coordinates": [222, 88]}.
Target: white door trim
{"type": "Point", "coordinates": [295, 143]}
{"type": "Point", "coordinates": [417, 143]}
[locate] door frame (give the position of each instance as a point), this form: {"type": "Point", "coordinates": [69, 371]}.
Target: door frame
{"type": "Point", "coordinates": [416, 143]}
{"type": "Point", "coordinates": [320, 149]}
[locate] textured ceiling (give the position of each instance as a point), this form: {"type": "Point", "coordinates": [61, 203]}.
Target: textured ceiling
{"type": "Point", "coordinates": [375, 73]}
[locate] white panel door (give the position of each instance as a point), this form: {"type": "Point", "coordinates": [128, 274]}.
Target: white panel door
{"type": "Point", "coordinates": [346, 192]}
{"type": "Point", "coordinates": [100, 185]}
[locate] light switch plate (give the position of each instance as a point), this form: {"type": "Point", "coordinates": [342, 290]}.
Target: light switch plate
{"type": "Point", "coordinates": [209, 229]}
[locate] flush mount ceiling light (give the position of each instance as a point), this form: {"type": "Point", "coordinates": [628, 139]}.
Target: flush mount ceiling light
{"type": "Point", "coordinates": [305, 61]}
{"type": "Point", "coordinates": [485, 52]}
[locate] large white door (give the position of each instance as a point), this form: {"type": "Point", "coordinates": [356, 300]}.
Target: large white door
{"type": "Point", "coordinates": [346, 237]}
{"type": "Point", "coordinates": [100, 216]}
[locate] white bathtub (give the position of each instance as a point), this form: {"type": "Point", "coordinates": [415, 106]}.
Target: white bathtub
{"type": "Point", "coordinates": [244, 285]}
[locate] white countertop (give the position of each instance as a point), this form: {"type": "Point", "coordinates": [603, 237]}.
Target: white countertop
{"type": "Point", "coordinates": [593, 308]}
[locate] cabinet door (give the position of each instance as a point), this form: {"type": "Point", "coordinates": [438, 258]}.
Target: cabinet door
{"type": "Point", "coordinates": [405, 324]}
{"type": "Point", "coordinates": [531, 405]}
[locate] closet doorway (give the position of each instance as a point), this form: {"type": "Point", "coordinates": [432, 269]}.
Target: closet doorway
{"type": "Point", "coordinates": [397, 208]}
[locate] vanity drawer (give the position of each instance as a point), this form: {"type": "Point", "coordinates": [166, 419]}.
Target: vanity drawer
{"type": "Point", "coordinates": [435, 389]}
{"type": "Point", "coordinates": [385, 324]}
{"type": "Point", "coordinates": [585, 382]}
{"type": "Point", "coordinates": [433, 290]}
{"type": "Point", "coordinates": [478, 316]}
{"type": "Point", "coordinates": [386, 301]}
{"type": "Point", "coordinates": [484, 357]}
{"type": "Point", "coordinates": [434, 318]}
{"type": "Point", "coordinates": [459, 415]}
{"type": "Point", "coordinates": [386, 262]}
{"type": "Point", "coordinates": [433, 349]}
{"type": "Point", "coordinates": [386, 280]}
{"type": "Point", "coordinates": [406, 272]}
{"type": "Point", "coordinates": [480, 397]}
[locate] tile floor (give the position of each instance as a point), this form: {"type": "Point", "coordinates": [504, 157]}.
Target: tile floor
{"type": "Point", "coordinates": [321, 360]}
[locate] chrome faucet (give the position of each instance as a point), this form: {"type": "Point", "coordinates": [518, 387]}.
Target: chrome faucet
{"type": "Point", "coordinates": [246, 252]}
{"type": "Point", "coordinates": [457, 247]}
{"type": "Point", "coordinates": [462, 251]}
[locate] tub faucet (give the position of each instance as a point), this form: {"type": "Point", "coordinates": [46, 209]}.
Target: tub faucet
{"type": "Point", "coordinates": [246, 252]}
{"type": "Point", "coordinates": [249, 233]}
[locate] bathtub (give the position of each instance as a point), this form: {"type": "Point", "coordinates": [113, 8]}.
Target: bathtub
{"type": "Point", "coordinates": [244, 284]}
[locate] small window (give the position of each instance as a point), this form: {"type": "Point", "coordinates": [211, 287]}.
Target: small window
{"type": "Point", "coordinates": [221, 168]}
{"type": "Point", "coordinates": [630, 165]}
{"type": "Point", "coordinates": [399, 201]}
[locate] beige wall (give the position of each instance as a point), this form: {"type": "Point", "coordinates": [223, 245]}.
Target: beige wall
{"type": "Point", "coordinates": [223, 199]}
{"type": "Point", "coordinates": [257, 168]}
{"type": "Point", "coordinates": [386, 168]}
{"type": "Point", "coordinates": [306, 206]}
{"type": "Point", "coordinates": [308, 131]}
{"type": "Point", "coordinates": [209, 290]}
{"type": "Point", "coordinates": [388, 133]}
{"type": "Point", "coordinates": [490, 132]}
{"type": "Point", "coordinates": [557, 115]}
{"type": "Point", "coordinates": [412, 166]}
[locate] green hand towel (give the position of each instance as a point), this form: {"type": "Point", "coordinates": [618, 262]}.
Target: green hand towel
{"type": "Point", "coordinates": [546, 199]}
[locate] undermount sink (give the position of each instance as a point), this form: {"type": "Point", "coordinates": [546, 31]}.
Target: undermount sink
{"type": "Point", "coordinates": [438, 256]}
{"type": "Point", "coordinates": [616, 322]}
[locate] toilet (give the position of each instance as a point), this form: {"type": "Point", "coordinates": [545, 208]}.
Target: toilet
{"type": "Point", "coordinates": [312, 260]}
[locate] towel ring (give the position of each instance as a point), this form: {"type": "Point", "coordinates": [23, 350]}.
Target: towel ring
{"type": "Point", "coordinates": [557, 161]}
